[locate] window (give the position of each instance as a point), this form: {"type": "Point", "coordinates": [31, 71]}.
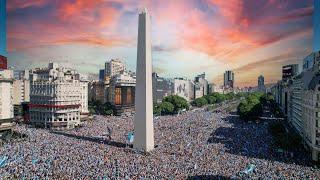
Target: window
{"type": "Point", "coordinates": [117, 96]}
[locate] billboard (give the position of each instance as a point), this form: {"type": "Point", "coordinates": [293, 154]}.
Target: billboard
{"type": "Point", "coordinates": [3, 62]}
{"type": "Point", "coordinates": [3, 32]}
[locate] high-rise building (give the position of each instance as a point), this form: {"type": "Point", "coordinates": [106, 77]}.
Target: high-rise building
{"type": "Point", "coordinates": [162, 87]}
{"type": "Point", "coordinates": [58, 97]}
{"type": "Point", "coordinates": [143, 120]}
{"type": "Point", "coordinates": [21, 91]}
{"type": "Point", "coordinates": [21, 87]}
{"type": "Point", "coordinates": [228, 79]}
{"type": "Point", "coordinates": [310, 60]}
{"type": "Point", "coordinates": [200, 86]}
{"type": "Point", "coordinates": [316, 26]}
{"type": "Point", "coordinates": [112, 68]}
{"type": "Point", "coordinates": [289, 71]}
{"type": "Point", "coordinates": [261, 86]}
{"type": "Point", "coordinates": [102, 74]}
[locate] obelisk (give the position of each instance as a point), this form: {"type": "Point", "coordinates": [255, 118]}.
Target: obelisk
{"type": "Point", "coordinates": [143, 120]}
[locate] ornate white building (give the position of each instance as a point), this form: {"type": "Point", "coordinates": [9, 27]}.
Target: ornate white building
{"type": "Point", "coordinates": [6, 100]}
{"type": "Point", "coordinates": [58, 97]}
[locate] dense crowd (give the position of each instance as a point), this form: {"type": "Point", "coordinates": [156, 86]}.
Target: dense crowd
{"type": "Point", "coordinates": [193, 144]}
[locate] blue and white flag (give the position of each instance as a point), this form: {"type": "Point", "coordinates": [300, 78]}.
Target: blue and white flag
{"type": "Point", "coordinates": [3, 161]}
{"type": "Point", "coordinates": [130, 137]}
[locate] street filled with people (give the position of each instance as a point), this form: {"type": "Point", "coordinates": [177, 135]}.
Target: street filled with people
{"type": "Point", "coordinates": [195, 144]}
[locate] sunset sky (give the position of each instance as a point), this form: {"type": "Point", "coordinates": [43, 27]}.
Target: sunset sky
{"type": "Point", "coordinates": [251, 37]}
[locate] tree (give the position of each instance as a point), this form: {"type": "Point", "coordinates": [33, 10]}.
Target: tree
{"type": "Point", "coordinates": [210, 99]}
{"type": "Point", "coordinates": [166, 108]}
{"type": "Point", "coordinates": [199, 102]}
{"type": "Point", "coordinates": [178, 102]}
{"type": "Point", "coordinates": [251, 107]}
{"type": "Point", "coordinates": [156, 109]}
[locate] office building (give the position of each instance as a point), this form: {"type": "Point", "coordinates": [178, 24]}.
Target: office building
{"type": "Point", "coordinates": [121, 92]}
{"type": "Point", "coordinates": [58, 98]}
{"type": "Point", "coordinates": [299, 98]}
{"type": "Point", "coordinates": [21, 91]}
{"type": "Point", "coordinates": [98, 91]}
{"type": "Point", "coordinates": [200, 86]}
{"type": "Point", "coordinates": [289, 71]}
{"type": "Point", "coordinates": [161, 87]}
{"type": "Point", "coordinates": [261, 86]}
{"type": "Point", "coordinates": [228, 79]}
{"type": "Point", "coordinates": [21, 87]}
{"type": "Point", "coordinates": [6, 100]}
{"type": "Point", "coordinates": [183, 88]}
{"type": "Point", "coordinates": [310, 60]}
{"type": "Point", "coordinates": [112, 68]}
{"type": "Point", "coordinates": [6, 77]}
{"type": "Point", "coordinates": [101, 75]}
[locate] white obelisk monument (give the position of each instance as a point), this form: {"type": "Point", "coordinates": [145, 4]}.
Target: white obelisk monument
{"type": "Point", "coordinates": [143, 120]}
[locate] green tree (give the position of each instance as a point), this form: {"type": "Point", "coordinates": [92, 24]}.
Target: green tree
{"type": "Point", "coordinates": [210, 99]}
{"type": "Point", "coordinates": [199, 102]}
{"type": "Point", "coordinates": [251, 107]}
{"type": "Point", "coordinates": [178, 102]}
{"type": "Point", "coordinates": [156, 109]}
{"type": "Point", "coordinates": [166, 108]}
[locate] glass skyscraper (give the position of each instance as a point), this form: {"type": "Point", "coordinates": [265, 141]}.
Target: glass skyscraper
{"type": "Point", "coordinates": [316, 26]}
{"type": "Point", "coordinates": [3, 29]}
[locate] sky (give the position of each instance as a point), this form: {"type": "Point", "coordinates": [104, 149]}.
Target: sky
{"type": "Point", "coordinates": [251, 37]}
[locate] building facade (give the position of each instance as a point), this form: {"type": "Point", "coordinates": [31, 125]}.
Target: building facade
{"type": "Point", "coordinates": [6, 100]}
{"type": "Point", "coordinates": [228, 79]}
{"type": "Point", "coordinates": [58, 98]}
{"type": "Point", "coordinates": [261, 86]}
{"type": "Point", "coordinates": [299, 98]}
{"type": "Point", "coordinates": [21, 91]}
{"type": "Point", "coordinates": [102, 74]}
{"type": "Point", "coordinates": [289, 71]}
{"type": "Point", "coordinates": [98, 91]}
{"type": "Point", "coordinates": [6, 76]}
{"type": "Point", "coordinates": [183, 88]}
{"type": "Point", "coordinates": [122, 92]}
{"type": "Point", "coordinates": [200, 86]}
{"type": "Point", "coordinates": [112, 68]}
{"type": "Point", "coordinates": [161, 88]}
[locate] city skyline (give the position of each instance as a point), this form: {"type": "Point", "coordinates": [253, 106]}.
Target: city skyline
{"type": "Point", "coordinates": [251, 38]}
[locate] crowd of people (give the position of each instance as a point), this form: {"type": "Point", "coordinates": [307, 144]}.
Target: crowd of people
{"type": "Point", "coordinates": [194, 144]}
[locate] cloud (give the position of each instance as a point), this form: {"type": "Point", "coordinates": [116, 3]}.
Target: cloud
{"type": "Point", "coordinates": [20, 4]}
{"type": "Point", "coordinates": [225, 33]}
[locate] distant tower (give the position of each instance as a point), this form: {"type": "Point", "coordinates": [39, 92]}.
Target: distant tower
{"type": "Point", "coordinates": [143, 121]}
{"type": "Point", "coordinates": [316, 26]}
{"type": "Point", "coordinates": [261, 86]}
{"type": "Point", "coordinates": [228, 79]}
